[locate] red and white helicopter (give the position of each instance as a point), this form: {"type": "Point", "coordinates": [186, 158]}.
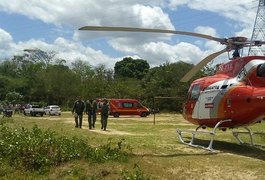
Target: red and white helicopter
{"type": "Point", "coordinates": [234, 97]}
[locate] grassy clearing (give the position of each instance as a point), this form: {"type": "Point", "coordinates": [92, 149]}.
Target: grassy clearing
{"type": "Point", "coordinates": [155, 149]}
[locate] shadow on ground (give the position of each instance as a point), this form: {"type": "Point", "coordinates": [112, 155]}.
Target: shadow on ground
{"type": "Point", "coordinates": [257, 151]}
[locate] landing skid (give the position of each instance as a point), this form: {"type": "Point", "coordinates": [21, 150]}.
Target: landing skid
{"type": "Point", "coordinates": [248, 132]}
{"type": "Point", "coordinates": [195, 132]}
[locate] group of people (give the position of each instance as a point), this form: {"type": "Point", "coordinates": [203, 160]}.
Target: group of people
{"type": "Point", "coordinates": [90, 107]}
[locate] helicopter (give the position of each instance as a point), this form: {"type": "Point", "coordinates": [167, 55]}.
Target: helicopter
{"type": "Point", "coordinates": [233, 97]}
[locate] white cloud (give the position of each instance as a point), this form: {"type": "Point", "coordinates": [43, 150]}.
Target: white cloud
{"type": "Point", "coordinates": [132, 16]}
{"type": "Point", "coordinates": [242, 12]}
{"type": "Point", "coordinates": [72, 50]}
{"type": "Point", "coordinates": [160, 52]}
{"type": "Point", "coordinates": [157, 48]}
{"type": "Point", "coordinates": [80, 12]}
{"type": "Point", "coordinates": [65, 49]}
{"type": "Point", "coordinates": [173, 4]}
{"type": "Point", "coordinates": [212, 45]}
{"type": "Point", "coordinates": [206, 30]}
{"type": "Point", "coordinates": [5, 39]}
{"type": "Point", "coordinates": [6, 42]}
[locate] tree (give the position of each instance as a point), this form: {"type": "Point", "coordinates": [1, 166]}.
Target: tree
{"type": "Point", "coordinates": [59, 84]}
{"type": "Point", "coordinates": [14, 97]}
{"type": "Point", "coordinates": [8, 68]}
{"type": "Point", "coordinates": [165, 81]}
{"type": "Point", "coordinates": [82, 69]}
{"type": "Point", "coordinates": [5, 82]}
{"type": "Point", "coordinates": [131, 68]}
{"type": "Point", "coordinates": [100, 84]}
{"type": "Point", "coordinates": [38, 55]}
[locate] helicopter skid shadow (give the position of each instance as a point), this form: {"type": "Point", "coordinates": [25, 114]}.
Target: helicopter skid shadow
{"type": "Point", "coordinates": [257, 151]}
{"type": "Point", "coordinates": [176, 154]}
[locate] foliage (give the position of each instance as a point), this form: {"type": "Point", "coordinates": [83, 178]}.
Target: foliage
{"type": "Point", "coordinates": [131, 68]}
{"type": "Point", "coordinates": [156, 149]}
{"type": "Point", "coordinates": [136, 175]}
{"type": "Point", "coordinates": [38, 77]}
{"type": "Point", "coordinates": [164, 81]}
{"type": "Point", "coordinates": [38, 150]}
{"type": "Point", "coordinates": [38, 55]}
{"type": "Point", "coordinates": [13, 97]}
{"type": "Point", "coordinates": [83, 70]}
{"type": "Point", "coordinates": [55, 80]}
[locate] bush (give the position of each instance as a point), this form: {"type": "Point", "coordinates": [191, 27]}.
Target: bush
{"type": "Point", "coordinates": [137, 174]}
{"type": "Point", "coordinates": [38, 150]}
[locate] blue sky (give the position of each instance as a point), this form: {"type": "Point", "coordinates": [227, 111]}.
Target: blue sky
{"type": "Point", "coordinates": [52, 25]}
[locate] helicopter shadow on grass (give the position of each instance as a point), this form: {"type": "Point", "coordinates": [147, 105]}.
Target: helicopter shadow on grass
{"type": "Point", "coordinates": [177, 154]}
{"type": "Point", "coordinates": [257, 151]}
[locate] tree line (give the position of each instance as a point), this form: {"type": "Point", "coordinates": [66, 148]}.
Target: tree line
{"type": "Point", "coordinates": [36, 76]}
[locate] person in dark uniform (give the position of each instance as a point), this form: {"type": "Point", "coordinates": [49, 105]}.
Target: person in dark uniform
{"type": "Point", "coordinates": [89, 113]}
{"type": "Point", "coordinates": [104, 114]}
{"type": "Point", "coordinates": [94, 112]}
{"type": "Point", "coordinates": [78, 109]}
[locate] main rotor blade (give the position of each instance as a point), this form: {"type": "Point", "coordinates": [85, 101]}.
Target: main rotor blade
{"type": "Point", "coordinates": [131, 29]}
{"type": "Point", "coordinates": [200, 65]}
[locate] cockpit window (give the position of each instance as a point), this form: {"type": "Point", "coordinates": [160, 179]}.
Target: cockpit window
{"type": "Point", "coordinates": [195, 92]}
{"type": "Point", "coordinates": [261, 70]}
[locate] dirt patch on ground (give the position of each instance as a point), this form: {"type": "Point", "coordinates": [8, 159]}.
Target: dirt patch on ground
{"type": "Point", "coordinates": [70, 120]}
{"type": "Point", "coordinates": [111, 132]}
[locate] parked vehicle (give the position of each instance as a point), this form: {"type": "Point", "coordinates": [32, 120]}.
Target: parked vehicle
{"type": "Point", "coordinates": [7, 113]}
{"type": "Point", "coordinates": [53, 110]}
{"type": "Point", "coordinates": [33, 110]}
{"type": "Point", "coordinates": [125, 107]}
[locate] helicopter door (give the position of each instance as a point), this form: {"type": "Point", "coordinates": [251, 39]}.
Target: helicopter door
{"type": "Point", "coordinates": [208, 104]}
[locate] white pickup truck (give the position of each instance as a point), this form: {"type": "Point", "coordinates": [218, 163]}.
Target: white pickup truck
{"type": "Point", "coordinates": [34, 110]}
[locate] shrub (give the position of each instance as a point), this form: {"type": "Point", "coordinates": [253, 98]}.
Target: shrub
{"type": "Point", "coordinates": [38, 150]}
{"type": "Point", "coordinates": [137, 174]}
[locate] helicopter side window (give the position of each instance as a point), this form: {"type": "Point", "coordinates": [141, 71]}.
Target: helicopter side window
{"type": "Point", "coordinates": [195, 92]}
{"type": "Point", "coordinates": [224, 86]}
{"type": "Point", "coordinates": [261, 70]}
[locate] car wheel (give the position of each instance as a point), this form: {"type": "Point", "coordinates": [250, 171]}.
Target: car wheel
{"type": "Point", "coordinates": [143, 114]}
{"type": "Point", "coordinates": [116, 115]}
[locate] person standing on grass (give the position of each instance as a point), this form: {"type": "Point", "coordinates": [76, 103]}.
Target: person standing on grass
{"type": "Point", "coordinates": [78, 110]}
{"type": "Point", "coordinates": [94, 106]}
{"type": "Point", "coordinates": [89, 113]}
{"type": "Point", "coordinates": [104, 114]}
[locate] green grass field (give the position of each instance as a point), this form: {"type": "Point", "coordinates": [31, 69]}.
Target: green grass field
{"type": "Point", "coordinates": [154, 149]}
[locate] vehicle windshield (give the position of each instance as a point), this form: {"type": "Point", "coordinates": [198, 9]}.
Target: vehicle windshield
{"type": "Point", "coordinates": [56, 107]}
